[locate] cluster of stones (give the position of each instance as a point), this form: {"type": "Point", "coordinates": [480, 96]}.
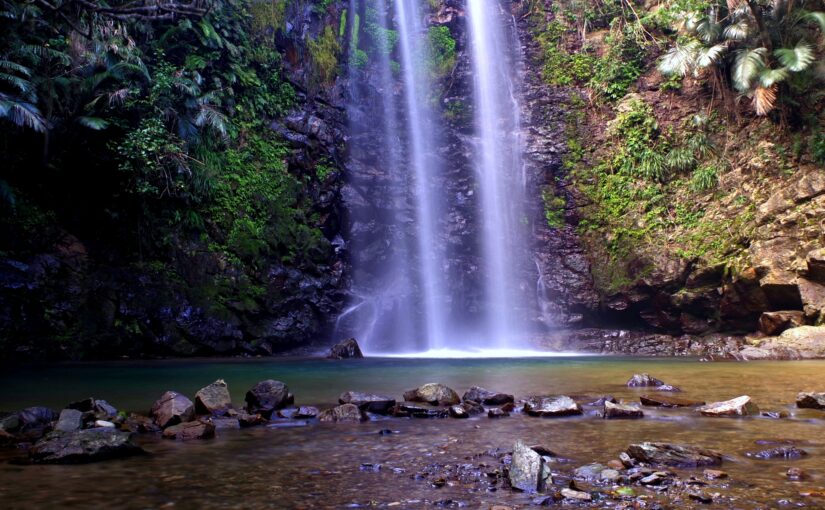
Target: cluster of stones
{"type": "Point", "coordinates": [92, 429]}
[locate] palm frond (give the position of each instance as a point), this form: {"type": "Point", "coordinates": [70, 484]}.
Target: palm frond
{"type": "Point", "coordinates": [764, 99]}
{"type": "Point", "coordinates": [747, 67]}
{"type": "Point", "coordinates": [708, 31]}
{"type": "Point", "coordinates": [817, 17]}
{"type": "Point", "coordinates": [770, 77]}
{"type": "Point", "coordinates": [14, 67]}
{"type": "Point", "coordinates": [95, 123]}
{"type": "Point", "coordinates": [680, 59]}
{"type": "Point", "coordinates": [712, 55]}
{"type": "Point", "coordinates": [737, 31]}
{"type": "Point", "coordinates": [798, 58]}
{"type": "Point", "coordinates": [21, 113]}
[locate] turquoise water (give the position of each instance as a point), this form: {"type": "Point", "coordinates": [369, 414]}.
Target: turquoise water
{"type": "Point", "coordinates": [318, 465]}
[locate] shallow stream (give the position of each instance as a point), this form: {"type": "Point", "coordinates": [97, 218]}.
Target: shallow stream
{"type": "Point", "coordinates": [321, 465]}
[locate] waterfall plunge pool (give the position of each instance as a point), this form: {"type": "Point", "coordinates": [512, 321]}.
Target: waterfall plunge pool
{"type": "Point", "coordinates": [321, 465]}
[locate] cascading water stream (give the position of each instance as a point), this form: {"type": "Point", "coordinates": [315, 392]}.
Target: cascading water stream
{"type": "Point", "coordinates": [500, 168]}
{"type": "Point", "coordinates": [421, 147]}
{"type": "Point", "coordinates": [427, 289]}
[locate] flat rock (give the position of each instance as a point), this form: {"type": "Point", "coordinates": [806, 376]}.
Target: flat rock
{"type": "Point", "coordinates": [172, 408]}
{"type": "Point", "coordinates": [739, 406]}
{"type": "Point", "coordinates": [345, 413]}
{"type": "Point", "coordinates": [804, 342]}
{"type": "Point", "coordinates": [552, 406]}
{"type": "Point", "coordinates": [527, 471]}
{"type": "Point", "coordinates": [433, 394]}
{"type": "Point", "coordinates": [213, 399]}
{"type": "Point", "coordinates": [306, 412]}
{"type": "Point", "coordinates": [714, 474]}
{"type": "Point", "coordinates": [69, 420]}
{"type": "Point", "coordinates": [345, 349]}
{"type": "Point", "coordinates": [267, 396]}
{"type": "Point", "coordinates": [673, 455]}
{"type": "Point", "coordinates": [621, 411]}
{"type": "Point", "coordinates": [575, 495]}
{"type": "Point", "coordinates": [417, 410]}
{"type": "Point", "coordinates": [368, 402]}
{"type": "Point", "coordinates": [188, 431]}
{"type": "Point", "coordinates": [668, 401]}
{"type": "Point", "coordinates": [810, 400]}
{"type": "Point", "coordinates": [589, 472]}
{"type": "Point", "coordinates": [644, 381]}
{"type": "Point", "coordinates": [487, 397]}
{"type": "Point", "coordinates": [82, 446]}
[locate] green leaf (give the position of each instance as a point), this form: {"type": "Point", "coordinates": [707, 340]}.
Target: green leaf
{"type": "Point", "coordinates": [817, 17]}
{"type": "Point", "coordinates": [95, 123]}
{"type": "Point", "coordinates": [798, 58]}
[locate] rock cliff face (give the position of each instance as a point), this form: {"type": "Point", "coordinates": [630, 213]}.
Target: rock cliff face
{"type": "Point", "coordinates": [79, 299]}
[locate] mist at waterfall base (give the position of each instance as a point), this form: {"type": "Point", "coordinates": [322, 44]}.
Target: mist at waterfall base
{"type": "Point", "coordinates": [417, 291]}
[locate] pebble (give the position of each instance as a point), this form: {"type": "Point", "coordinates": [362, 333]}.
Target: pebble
{"type": "Point", "coordinates": [578, 495]}
{"type": "Point", "coordinates": [796, 474]}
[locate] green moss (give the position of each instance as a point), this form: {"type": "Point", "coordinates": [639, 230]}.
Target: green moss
{"type": "Point", "coordinates": [554, 207]}
{"type": "Point", "coordinates": [323, 53]}
{"type": "Point", "coordinates": [441, 51]}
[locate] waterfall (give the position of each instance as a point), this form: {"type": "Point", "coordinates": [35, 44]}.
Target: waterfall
{"type": "Point", "coordinates": [410, 292]}
{"type": "Point", "coordinates": [500, 168]}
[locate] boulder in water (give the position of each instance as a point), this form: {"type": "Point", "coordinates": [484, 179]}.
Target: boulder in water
{"type": "Point", "coordinates": [621, 411]}
{"type": "Point", "coordinates": [371, 403]}
{"type": "Point", "coordinates": [266, 397]}
{"type": "Point", "coordinates": [780, 452]}
{"type": "Point", "coordinates": [552, 406]}
{"type": "Point", "coordinates": [306, 412]}
{"type": "Point", "coordinates": [345, 349]}
{"type": "Point", "coordinates": [172, 408]}
{"type": "Point", "coordinates": [458, 411]}
{"type": "Point", "coordinates": [344, 413]}
{"type": "Point", "coordinates": [487, 397]}
{"type": "Point", "coordinates": [528, 472]}
{"type": "Point", "coordinates": [190, 430]}
{"type": "Point", "coordinates": [433, 394]}
{"type": "Point", "coordinates": [673, 455]}
{"type": "Point", "coordinates": [644, 381]}
{"type": "Point", "coordinates": [213, 399]}
{"type": "Point", "coordinates": [81, 446]}
{"type": "Point", "coordinates": [100, 408]}
{"type": "Point", "coordinates": [739, 406]}
{"type": "Point", "coordinates": [809, 400]}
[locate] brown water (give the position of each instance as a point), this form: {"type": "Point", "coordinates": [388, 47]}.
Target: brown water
{"type": "Point", "coordinates": [319, 465]}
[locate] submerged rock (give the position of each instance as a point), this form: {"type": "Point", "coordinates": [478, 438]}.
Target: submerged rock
{"type": "Point", "coordinates": [415, 410]}
{"type": "Point", "coordinates": [69, 420]}
{"type": "Point", "coordinates": [172, 408]}
{"type": "Point", "coordinates": [621, 411]}
{"type": "Point", "coordinates": [668, 401]}
{"type": "Point", "coordinates": [81, 446]}
{"type": "Point", "coordinates": [433, 394]}
{"type": "Point", "coordinates": [527, 471]}
{"type": "Point", "coordinates": [487, 397]}
{"type": "Point", "coordinates": [781, 452]}
{"type": "Point", "coordinates": [266, 397]}
{"type": "Point", "coordinates": [345, 349]}
{"type": "Point", "coordinates": [808, 400]}
{"type": "Point", "coordinates": [666, 454]}
{"type": "Point", "coordinates": [343, 413]}
{"type": "Point", "coordinates": [497, 412]}
{"type": "Point", "coordinates": [200, 429]}
{"type": "Point", "coordinates": [213, 399]}
{"type": "Point", "coordinates": [589, 472]}
{"type": "Point", "coordinates": [552, 406]}
{"type": "Point", "coordinates": [369, 402]}
{"type": "Point", "coordinates": [739, 406]}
